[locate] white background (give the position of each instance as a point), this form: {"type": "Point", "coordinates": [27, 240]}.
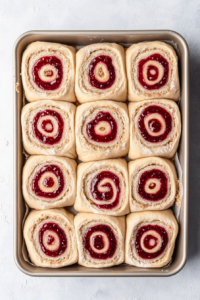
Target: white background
{"type": "Point", "coordinates": [17, 17]}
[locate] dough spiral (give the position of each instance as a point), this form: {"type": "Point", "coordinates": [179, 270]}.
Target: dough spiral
{"type": "Point", "coordinates": [150, 238]}
{"type": "Point", "coordinates": [152, 184]}
{"type": "Point", "coordinates": [100, 240]}
{"type": "Point", "coordinates": [102, 130]}
{"type": "Point", "coordinates": [155, 128]}
{"type": "Point", "coordinates": [50, 238]}
{"type": "Point", "coordinates": [102, 187]}
{"type": "Point", "coordinates": [48, 128]}
{"type": "Point", "coordinates": [48, 72]}
{"type": "Point", "coordinates": [100, 73]}
{"type": "Point", "coordinates": [152, 71]}
{"type": "Point", "coordinates": [49, 181]}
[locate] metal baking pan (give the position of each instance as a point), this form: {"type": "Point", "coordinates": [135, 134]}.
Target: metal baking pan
{"type": "Point", "coordinates": [78, 38]}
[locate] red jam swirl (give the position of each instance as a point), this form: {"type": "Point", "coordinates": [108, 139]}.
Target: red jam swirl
{"type": "Point", "coordinates": [61, 236]}
{"type": "Point", "coordinates": [48, 182]}
{"type": "Point", "coordinates": [107, 60]}
{"type": "Point", "coordinates": [46, 85]}
{"type": "Point", "coordinates": [108, 195]}
{"type": "Point", "coordinates": [51, 240]}
{"type": "Point", "coordinates": [147, 242]}
{"type": "Point", "coordinates": [101, 138]}
{"type": "Point", "coordinates": [155, 125]}
{"type": "Point", "coordinates": [98, 242]}
{"type": "Point", "coordinates": [153, 174]}
{"type": "Point", "coordinates": [45, 139]}
{"type": "Point", "coordinates": [47, 126]}
{"type": "Point", "coordinates": [142, 230]}
{"type": "Point", "coordinates": [150, 76]}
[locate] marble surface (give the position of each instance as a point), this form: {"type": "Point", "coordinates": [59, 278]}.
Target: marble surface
{"type": "Point", "coordinates": [19, 16]}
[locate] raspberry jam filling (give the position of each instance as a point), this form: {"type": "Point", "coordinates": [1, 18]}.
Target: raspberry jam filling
{"type": "Point", "coordinates": [48, 182]}
{"type": "Point", "coordinates": [154, 125]}
{"type": "Point", "coordinates": [50, 240]}
{"type": "Point", "coordinates": [99, 241]}
{"type": "Point", "coordinates": [103, 128]}
{"type": "Point", "coordinates": [152, 186]}
{"type": "Point", "coordinates": [146, 181]}
{"type": "Point", "coordinates": [58, 238]}
{"type": "Point", "coordinates": [105, 67]}
{"type": "Point", "coordinates": [151, 241]}
{"type": "Point", "coordinates": [47, 126]}
{"type": "Point", "coordinates": [152, 72]}
{"type": "Point", "coordinates": [56, 63]}
{"type": "Point", "coordinates": [109, 193]}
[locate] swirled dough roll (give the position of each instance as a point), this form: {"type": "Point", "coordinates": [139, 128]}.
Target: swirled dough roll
{"type": "Point", "coordinates": [102, 130]}
{"type": "Point", "coordinates": [100, 240]}
{"type": "Point", "coordinates": [152, 71]}
{"type": "Point", "coordinates": [152, 184]}
{"type": "Point", "coordinates": [150, 238]}
{"type": "Point", "coordinates": [48, 128]}
{"type": "Point", "coordinates": [155, 128]}
{"type": "Point", "coordinates": [49, 181]}
{"type": "Point", "coordinates": [48, 72]}
{"type": "Point", "coordinates": [102, 187]}
{"type": "Point", "coordinates": [100, 73]}
{"type": "Point", "coordinates": [50, 238]}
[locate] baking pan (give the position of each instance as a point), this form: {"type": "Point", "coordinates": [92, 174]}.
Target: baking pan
{"type": "Point", "coordinates": [78, 38]}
